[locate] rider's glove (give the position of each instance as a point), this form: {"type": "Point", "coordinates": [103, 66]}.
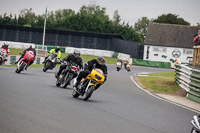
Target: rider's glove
{"type": "Point", "coordinates": [87, 71]}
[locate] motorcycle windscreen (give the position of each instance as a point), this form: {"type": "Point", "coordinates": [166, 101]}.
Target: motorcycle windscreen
{"type": "Point", "coordinates": [29, 55]}
{"type": "Point", "coordinates": [53, 56]}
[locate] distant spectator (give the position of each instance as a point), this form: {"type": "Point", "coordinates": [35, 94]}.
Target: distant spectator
{"type": "Point", "coordinates": [196, 40]}
{"type": "Point", "coordinates": [176, 62]}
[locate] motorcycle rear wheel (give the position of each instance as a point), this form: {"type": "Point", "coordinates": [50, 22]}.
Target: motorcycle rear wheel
{"type": "Point", "coordinates": [1, 60]}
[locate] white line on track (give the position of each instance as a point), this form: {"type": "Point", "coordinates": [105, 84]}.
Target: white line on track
{"type": "Point", "coordinates": [162, 98]}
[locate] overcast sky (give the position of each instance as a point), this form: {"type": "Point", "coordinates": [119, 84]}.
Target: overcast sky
{"type": "Point", "coordinates": [129, 10]}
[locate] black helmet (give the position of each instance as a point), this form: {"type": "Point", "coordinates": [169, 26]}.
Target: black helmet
{"type": "Point", "coordinates": [5, 45]}
{"type": "Point", "coordinates": [57, 49]}
{"type": "Point", "coordinates": [77, 52]}
{"type": "Point", "coordinates": [101, 59]}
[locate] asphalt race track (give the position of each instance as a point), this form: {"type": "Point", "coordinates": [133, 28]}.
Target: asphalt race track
{"type": "Point", "coordinates": [31, 103]}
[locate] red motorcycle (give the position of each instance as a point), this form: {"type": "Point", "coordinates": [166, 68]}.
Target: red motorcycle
{"type": "Point", "coordinates": [25, 61]}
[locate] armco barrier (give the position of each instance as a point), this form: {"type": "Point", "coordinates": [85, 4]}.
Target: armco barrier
{"type": "Point", "coordinates": [17, 45]}
{"type": "Point", "coordinates": [94, 52]}
{"type": "Point", "coordinates": [189, 79]}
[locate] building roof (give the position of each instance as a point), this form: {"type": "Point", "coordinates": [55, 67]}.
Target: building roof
{"type": "Point", "coordinates": [170, 35]}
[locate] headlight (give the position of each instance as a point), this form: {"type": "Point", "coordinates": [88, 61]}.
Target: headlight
{"type": "Point", "coordinates": [94, 81]}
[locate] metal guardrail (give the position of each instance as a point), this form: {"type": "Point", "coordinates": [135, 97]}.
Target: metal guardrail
{"type": "Point", "coordinates": [189, 79]}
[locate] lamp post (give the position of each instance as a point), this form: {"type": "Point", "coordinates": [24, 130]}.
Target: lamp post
{"type": "Point", "coordinates": [44, 29]}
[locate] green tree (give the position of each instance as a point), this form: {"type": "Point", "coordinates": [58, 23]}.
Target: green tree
{"type": "Point", "coordinates": [6, 19]}
{"type": "Point", "coordinates": [141, 25]}
{"type": "Point", "coordinates": [40, 21]}
{"type": "Point", "coordinates": [28, 16]}
{"type": "Point", "coordinates": [116, 17]}
{"type": "Point", "coordinates": [91, 18]}
{"type": "Point", "coordinates": [171, 19]}
{"type": "Point", "coordinates": [21, 20]}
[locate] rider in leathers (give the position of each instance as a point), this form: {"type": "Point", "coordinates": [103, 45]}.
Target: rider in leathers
{"type": "Point", "coordinates": [72, 58]}
{"type": "Point", "coordinates": [95, 63]}
{"type": "Point", "coordinates": [24, 52]}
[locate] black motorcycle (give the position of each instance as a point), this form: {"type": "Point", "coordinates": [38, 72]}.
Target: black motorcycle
{"type": "Point", "coordinates": [67, 75]}
{"type": "Point", "coordinates": [50, 62]}
{"type": "Point", "coordinates": [196, 124]}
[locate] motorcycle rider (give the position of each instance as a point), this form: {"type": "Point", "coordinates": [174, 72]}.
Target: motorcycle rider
{"type": "Point", "coordinates": [5, 46]}
{"type": "Point", "coordinates": [53, 51]}
{"type": "Point", "coordinates": [71, 58]}
{"type": "Point", "coordinates": [95, 63]}
{"type": "Point", "coordinates": [24, 52]}
{"type": "Point", "coordinates": [119, 61]}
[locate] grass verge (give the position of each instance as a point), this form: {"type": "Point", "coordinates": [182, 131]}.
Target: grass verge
{"type": "Point", "coordinates": [32, 66]}
{"type": "Point", "coordinates": [160, 83]}
{"type": "Point", "coordinates": [14, 51]}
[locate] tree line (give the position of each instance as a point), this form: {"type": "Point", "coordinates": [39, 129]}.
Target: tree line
{"type": "Point", "coordinates": [91, 18]}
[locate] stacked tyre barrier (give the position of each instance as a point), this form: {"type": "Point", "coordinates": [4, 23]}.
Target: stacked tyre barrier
{"type": "Point", "coordinates": [189, 79]}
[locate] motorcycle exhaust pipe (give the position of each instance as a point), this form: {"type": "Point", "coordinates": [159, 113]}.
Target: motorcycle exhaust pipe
{"type": "Point", "coordinates": [196, 121]}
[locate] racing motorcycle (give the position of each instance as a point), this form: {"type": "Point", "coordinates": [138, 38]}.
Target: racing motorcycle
{"type": "Point", "coordinates": [128, 67]}
{"type": "Point", "coordinates": [119, 65]}
{"type": "Point", "coordinates": [25, 61]}
{"type": "Point", "coordinates": [50, 62]}
{"type": "Point", "coordinates": [87, 86]}
{"type": "Point", "coordinates": [196, 124]}
{"type": "Point", "coordinates": [67, 75]}
{"type": "Point", "coordinates": [3, 53]}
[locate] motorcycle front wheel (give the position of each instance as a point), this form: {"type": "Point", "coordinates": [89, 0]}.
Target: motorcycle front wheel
{"type": "Point", "coordinates": [88, 93]}
{"type": "Point", "coordinates": [118, 68]}
{"type": "Point", "coordinates": [67, 81]}
{"type": "Point", "coordinates": [57, 83]}
{"type": "Point", "coordinates": [75, 94]}
{"type": "Point", "coordinates": [46, 66]}
{"type": "Point", "coordinates": [193, 130]}
{"type": "Point", "coordinates": [20, 68]}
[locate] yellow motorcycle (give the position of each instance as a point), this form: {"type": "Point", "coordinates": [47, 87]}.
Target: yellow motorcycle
{"type": "Point", "coordinates": [87, 85]}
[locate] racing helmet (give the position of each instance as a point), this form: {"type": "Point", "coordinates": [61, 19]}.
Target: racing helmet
{"type": "Point", "coordinates": [77, 53]}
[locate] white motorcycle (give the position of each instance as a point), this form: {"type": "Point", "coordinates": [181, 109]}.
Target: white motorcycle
{"type": "Point", "coordinates": [50, 62]}
{"type": "Point", "coordinates": [3, 53]}
{"type": "Point", "coordinates": [119, 65]}
{"type": "Point", "coordinates": [195, 123]}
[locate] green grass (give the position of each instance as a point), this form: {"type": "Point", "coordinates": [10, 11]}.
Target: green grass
{"type": "Point", "coordinates": [109, 60]}
{"type": "Point", "coordinates": [160, 82]}
{"type": "Point", "coordinates": [14, 51]}
{"type": "Point", "coordinates": [32, 66]}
